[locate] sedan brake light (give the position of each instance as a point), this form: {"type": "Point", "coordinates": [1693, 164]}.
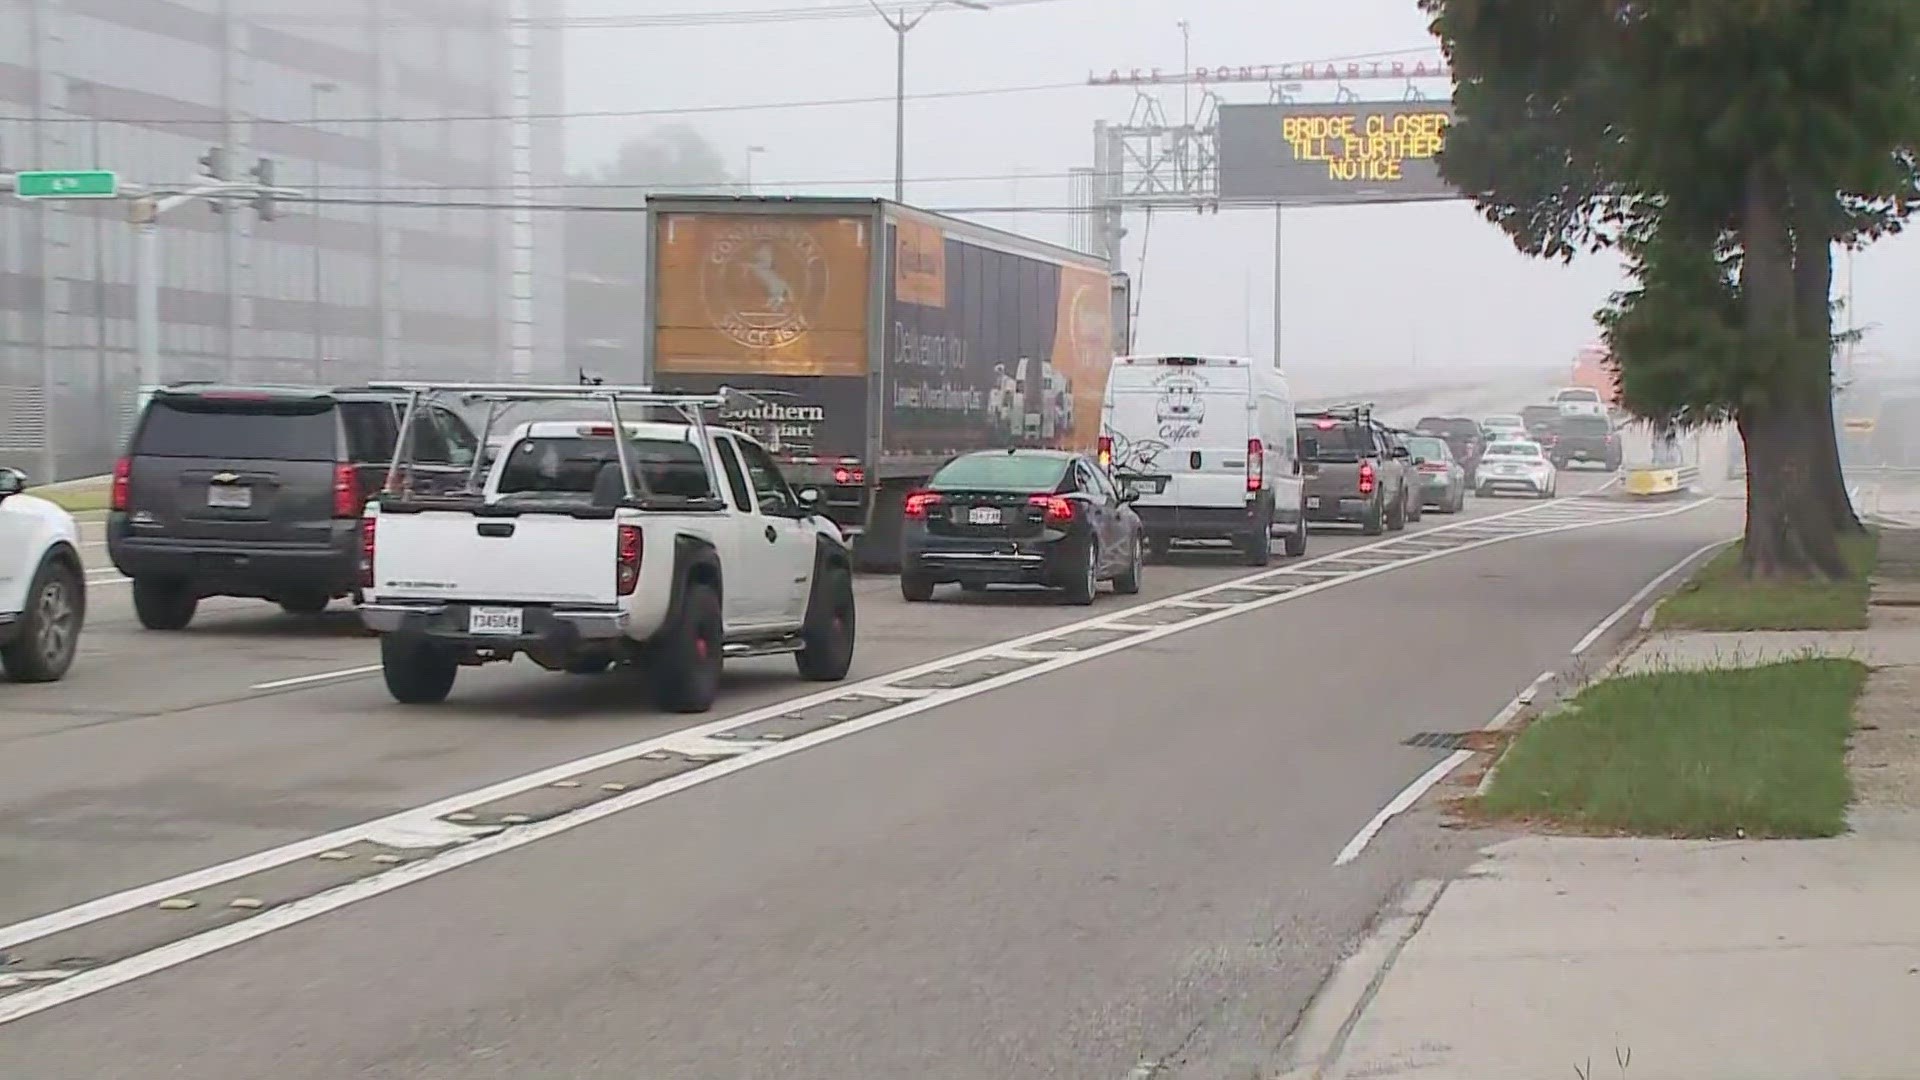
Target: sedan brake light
{"type": "Point", "coordinates": [1059, 510]}
{"type": "Point", "coordinates": [920, 502]}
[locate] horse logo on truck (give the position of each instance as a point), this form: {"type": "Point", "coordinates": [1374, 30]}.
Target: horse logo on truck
{"type": "Point", "coordinates": [764, 283]}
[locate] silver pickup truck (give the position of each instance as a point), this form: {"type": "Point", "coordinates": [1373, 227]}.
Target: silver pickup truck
{"type": "Point", "coordinates": [1357, 472]}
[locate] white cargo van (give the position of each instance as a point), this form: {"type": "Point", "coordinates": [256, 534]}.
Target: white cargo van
{"type": "Point", "coordinates": [1208, 443]}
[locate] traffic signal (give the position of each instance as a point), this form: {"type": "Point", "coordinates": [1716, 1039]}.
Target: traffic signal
{"type": "Point", "coordinates": [213, 164]}
{"type": "Point", "coordinates": [263, 204]}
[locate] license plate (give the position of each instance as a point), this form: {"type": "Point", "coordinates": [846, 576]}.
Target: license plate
{"type": "Point", "coordinates": [495, 621]}
{"type": "Point", "coordinates": [1581, 454]}
{"type": "Point", "coordinates": [229, 497]}
{"type": "Point", "coordinates": [1313, 502]}
{"type": "Point", "coordinates": [984, 515]}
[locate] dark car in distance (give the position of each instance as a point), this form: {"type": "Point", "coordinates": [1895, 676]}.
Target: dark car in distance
{"type": "Point", "coordinates": [1462, 434]}
{"type": "Point", "coordinates": [1021, 517]}
{"type": "Point", "coordinates": [258, 491]}
{"type": "Point", "coordinates": [1586, 440]}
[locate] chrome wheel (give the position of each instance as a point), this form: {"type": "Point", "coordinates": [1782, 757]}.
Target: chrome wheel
{"type": "Point", "coordinates": [55, 616]}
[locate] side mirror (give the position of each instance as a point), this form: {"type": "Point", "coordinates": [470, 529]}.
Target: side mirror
{"type": "Point", "coordinates": [1402, 453]}
{"type": "Point", "coordinates": [1309, 448]}
{"type": "Point", "coordinates": [1129, 495]}
{"type": "Point", "coordinates": [809, 499]}
{"type": "Point", "coordinates": [12, 482]}
{"type": "Point", "coordinates": [1419, 461]}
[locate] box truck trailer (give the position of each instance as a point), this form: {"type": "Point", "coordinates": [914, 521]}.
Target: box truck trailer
{"type": "Point", "coordinates": [879, 340]}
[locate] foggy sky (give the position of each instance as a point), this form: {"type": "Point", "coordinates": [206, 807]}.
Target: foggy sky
{"type": "Point", "coordinates": [1426, 287]}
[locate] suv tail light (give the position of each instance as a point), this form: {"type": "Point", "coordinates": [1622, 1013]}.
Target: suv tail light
{"type": "Point", "coordinates": [1256, 465]}
{"type": "Point", "coordinates": [369, 526]}
{"type": "Point", "coordinates": [1106, 451]}
{"type": "Point", "coordinates": [122, 481]}
{"type": "Point", "coordinates": [1059, 510]}
{"type": "Point", "coordinates": [849, 475]}
{"type": "Point", "coordinates": [1366, 478]}
{"type": "Point", "coordinates": [626, 575]}
{"type": "Point", "coordinates": [919, 502]}
{"type": "Point", "coordinates": [346, 491]}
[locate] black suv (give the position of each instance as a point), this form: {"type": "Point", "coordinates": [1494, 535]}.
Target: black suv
{"type": "Point", "coordinates": [257, 491]}
{"type": "Point", "coordinates": [1587, 440]}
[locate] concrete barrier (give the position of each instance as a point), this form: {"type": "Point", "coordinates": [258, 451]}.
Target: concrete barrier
{"type": "Point", "coordinates": [1649, 481]}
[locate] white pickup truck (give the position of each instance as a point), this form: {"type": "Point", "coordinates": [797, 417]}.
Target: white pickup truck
{"type": "Point", "coordinates": [581, 552]}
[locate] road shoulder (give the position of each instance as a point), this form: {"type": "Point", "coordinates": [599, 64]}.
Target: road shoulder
{"type": "Point", "coordinates": [1676, 957]}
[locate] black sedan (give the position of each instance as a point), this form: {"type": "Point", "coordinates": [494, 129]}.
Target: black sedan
{"type": "Point", "coordinates": [1020, 517]}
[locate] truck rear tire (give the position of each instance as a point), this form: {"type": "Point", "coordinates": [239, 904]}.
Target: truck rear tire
{"type": "Point", "coordinates": [686, 662]}
{"type": "Point", "coordinates": [1256, 547]}
{"type": "Point", "coordinates": [417, 672]}
{"type": "Point", "coordinates": [1397, 514]}
{"type": "Point", "coordinates": [827, 650]}
{"type": "Point", "coordinates": [1296, 544]}
{"type": "Point", "coordinates": [1372, 524]}
{"type": "Point", "coordinates": [163, 604]}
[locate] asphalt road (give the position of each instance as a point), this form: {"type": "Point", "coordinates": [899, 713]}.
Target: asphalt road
{"type": "Point", "coordinates": [1125, 860]}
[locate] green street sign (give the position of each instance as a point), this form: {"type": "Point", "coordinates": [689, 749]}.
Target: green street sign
{"type": "Point", "coordinates": [80, 184]}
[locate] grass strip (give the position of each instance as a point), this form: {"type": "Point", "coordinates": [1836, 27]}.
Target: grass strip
{"type": "Point", "coordinates": [1691, 754]}
{"type": "Point", "coordinates": [1719, 598]}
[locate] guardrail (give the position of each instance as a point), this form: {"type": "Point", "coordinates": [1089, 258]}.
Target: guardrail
{"type": "Point", "coordinates": [1661, 480]}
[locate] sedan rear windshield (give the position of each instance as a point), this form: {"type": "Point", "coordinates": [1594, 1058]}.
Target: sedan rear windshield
{"type": "Point", "coordinates": [1514, 449]}
{"type": "Point", "coordinates": [297, 430]}
{"type": "Point", "coordinates": [1431, 449]}
{"type": "Point", "coordinates": [1342, 441]}
{"type": "Point", "coordinates": [1001, 472]}
{"type": "Point", "coordinates": [570, 466]}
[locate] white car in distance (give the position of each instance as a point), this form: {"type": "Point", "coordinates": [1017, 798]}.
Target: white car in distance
{"type": "Point", "coordinates": [1516, 466]}
{"type": "Point", "coordinates": [43, 588]}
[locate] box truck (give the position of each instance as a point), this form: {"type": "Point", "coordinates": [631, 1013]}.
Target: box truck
{"type": "Point", "coordinates": [879, 340]}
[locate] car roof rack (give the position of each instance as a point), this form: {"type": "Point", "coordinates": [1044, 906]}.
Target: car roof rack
{"type": "Point", "coordinates": [691, 407]}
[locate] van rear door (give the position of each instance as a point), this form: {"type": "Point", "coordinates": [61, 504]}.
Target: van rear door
{"type": "Point", "coordinates": [237, 466]}
{"type": "Point", "coordinates": [1180, 427]}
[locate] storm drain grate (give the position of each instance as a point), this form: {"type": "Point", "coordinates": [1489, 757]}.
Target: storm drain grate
{"type": "Point", "coordinates": [1439, 740]}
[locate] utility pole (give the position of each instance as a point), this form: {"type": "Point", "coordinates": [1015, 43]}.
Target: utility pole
{"type": "Point", "coordinates": [901, 27]}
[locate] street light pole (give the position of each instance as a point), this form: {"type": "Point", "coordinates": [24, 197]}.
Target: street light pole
{"type": "Point", "coordinates": [901, 26]}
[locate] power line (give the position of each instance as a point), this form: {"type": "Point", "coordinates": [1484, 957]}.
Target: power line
{"type": "Point", "coordinates": [675, 111]}
{"type": "Point", "coordinates": [624, 20]}
{"type": "Point", "coordinates": [640, 207]}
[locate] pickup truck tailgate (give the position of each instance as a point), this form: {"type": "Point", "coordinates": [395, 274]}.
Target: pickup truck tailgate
{"type": "Point", "coordinates": [526, 558]}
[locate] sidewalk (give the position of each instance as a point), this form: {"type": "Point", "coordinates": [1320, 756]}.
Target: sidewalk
{"type": "Point", "coordinates": [1700, 959]}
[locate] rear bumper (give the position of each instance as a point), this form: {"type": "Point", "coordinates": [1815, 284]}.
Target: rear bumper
{"type": "Point", "coordinates": [226, 568]}
{"type": "Point", "coordinates": [1338, 508]}
{"type": "Point", "coordinates": [542, 628]}
{"type": "Point", "coordinates": [1585, 452]}
{"type": "Point", "coordinates": [1035, 561]}
{"type": "Point", "coordinates": [1437, 490]}
{"type": "Point", "coordinates": [1512, 483]}
{"type": "Point", "coordinates": [1199, 522]}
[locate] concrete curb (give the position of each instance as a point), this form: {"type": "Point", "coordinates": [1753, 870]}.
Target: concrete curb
{"type": "Point", "coordinates": [1312, 1050]}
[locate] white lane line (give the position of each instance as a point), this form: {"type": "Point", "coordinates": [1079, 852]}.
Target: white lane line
{"type": "Point", "coordinates": [1638, 598]}
{"type": "Point", "coordinates": [1412, 792]}
{"type": "Point", "coordinates": [1407, 797]}
{"type": "Point", "coordinates": [140, 965]}
{"type": "Point", "coordinates": [324, 676]}
{"type": "Point", "coordinates": [878, 686]}
{"type": "Point", "coordinates": [1520, 701]}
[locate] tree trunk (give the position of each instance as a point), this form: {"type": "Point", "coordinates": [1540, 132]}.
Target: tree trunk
{"type": "Point", "coordinates": [1813, 312]}
{"type": "Point", "coordinates": [1791, 531]}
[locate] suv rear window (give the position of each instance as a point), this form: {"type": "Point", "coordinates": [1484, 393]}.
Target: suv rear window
{"type": "Point", "coordinates": [569, 466]}
{"type": "Point", "coordinates": [1001, 472]}
{"type": "Point", "coordinates": [292, 430]}
{"type": "Point", "coordinates": [1341, 440]}
{"type": "Point", "coordinates": [1585, 426]}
